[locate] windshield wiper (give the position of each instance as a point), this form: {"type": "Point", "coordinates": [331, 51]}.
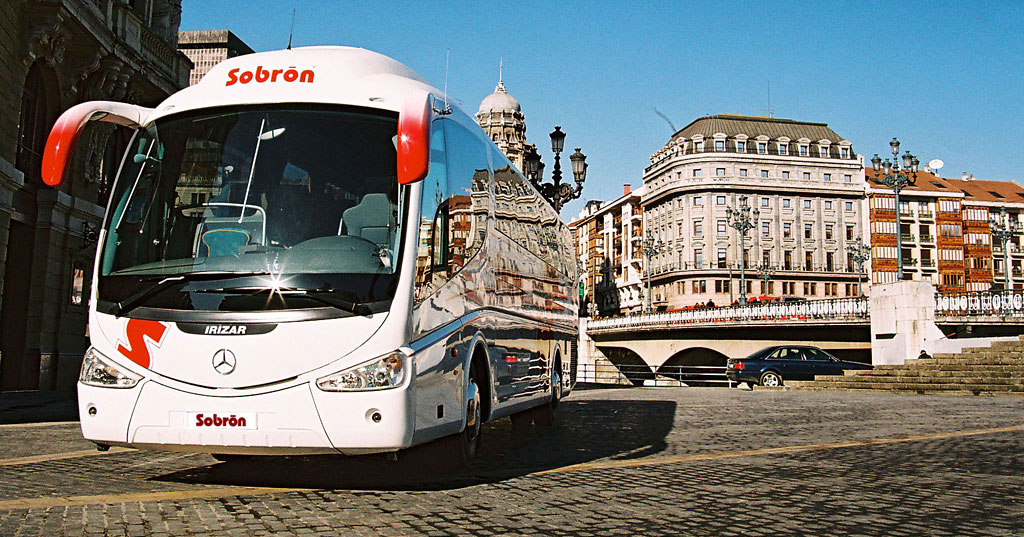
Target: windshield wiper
{"type": "Point", "coordinates": [322, 295]}
{"type": "Point", "coordinates": [137, 299]}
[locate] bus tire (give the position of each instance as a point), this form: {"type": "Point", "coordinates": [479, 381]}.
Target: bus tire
{"type": "Point", "coordinates": [457, 451]}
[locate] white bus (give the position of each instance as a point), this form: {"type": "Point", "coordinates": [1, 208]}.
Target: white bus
{"type": "Point", "coordinates": [309, 252]}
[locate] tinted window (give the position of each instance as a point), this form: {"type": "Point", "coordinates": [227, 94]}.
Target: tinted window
{"type": "Point", "coordinates": [817, 355]}
{"type": "Point", "coordinates": [430, 248]}
{"type": "Point", "coordinates": [785, 353]}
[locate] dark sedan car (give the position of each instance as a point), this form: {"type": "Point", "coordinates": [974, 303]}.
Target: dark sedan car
{"type": "Point", "coordinates": [768, 367]}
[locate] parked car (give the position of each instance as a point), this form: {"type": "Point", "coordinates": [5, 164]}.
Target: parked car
{"type": "Point", "coordinates": [768, 367]}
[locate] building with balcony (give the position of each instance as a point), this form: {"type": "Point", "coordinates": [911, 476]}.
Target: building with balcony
{"type": "Point", "coordinates": [803, 178]}
{"type": "Point", "coordinates": [609, 244]}
{"type": "Point", "coordinates": [58, 53]}
{"type": "Point", "coordinates": [207, 48]}
{"type": "Point", "coordinates": [944, 232]}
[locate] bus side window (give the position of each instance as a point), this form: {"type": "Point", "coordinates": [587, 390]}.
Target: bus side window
{"type": "Point", "coordinates": [435, 191]}
{"type": "Point", "coordinates": [468, 181]}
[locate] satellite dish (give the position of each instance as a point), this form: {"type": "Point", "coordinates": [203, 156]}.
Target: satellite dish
{"type": "Point", "coordinates": [936, 164]}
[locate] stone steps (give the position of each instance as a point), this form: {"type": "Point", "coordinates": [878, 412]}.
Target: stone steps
{"type": "Point", "coordinates": [995, 370]}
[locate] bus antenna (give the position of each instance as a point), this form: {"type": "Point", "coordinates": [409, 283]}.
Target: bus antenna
{"type": "Point", "coordinates": [292, 30]}
{"type": "Point", "coordinates": [447, 109]}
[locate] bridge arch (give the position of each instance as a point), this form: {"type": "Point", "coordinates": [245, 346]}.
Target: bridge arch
{"type": "Point", "coordinates": [629, 363]}
{"type": "Point", "coordinates": [689, 366]}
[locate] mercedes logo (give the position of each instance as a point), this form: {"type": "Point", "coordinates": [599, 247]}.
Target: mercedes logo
{"type": "Point", "coordinates": [224, 361]}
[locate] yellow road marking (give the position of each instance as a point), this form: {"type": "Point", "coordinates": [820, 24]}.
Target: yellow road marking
{"type": "Point", "coordinates": [106, 499]}
{"type": "Point", "coordinates": [17, 461]}
{"type": "Point", "coordinates": [695, 457]}
{"type": "Point", "coordinates": [222, 492]}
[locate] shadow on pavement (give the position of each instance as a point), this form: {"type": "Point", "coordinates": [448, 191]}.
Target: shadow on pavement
{"type": "Point", "coordinates": [585, 431]}
{"type": "Point", "coordinates": [38, 406]}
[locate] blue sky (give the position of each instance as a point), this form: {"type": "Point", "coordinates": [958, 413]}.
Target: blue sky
{"type": "Point", "coordinates": [946, 78]}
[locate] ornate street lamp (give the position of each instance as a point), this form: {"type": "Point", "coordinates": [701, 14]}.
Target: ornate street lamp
{"type": "Point", "coordinates": [765, 272]}
{"type": "Point", "coordinates": [556, 192]}
{"type": "Point", "coordinates": [1003, 230]}
{"type": "Point", "coordinates": [651, 248]}
{"type": "Point", "coordinates": [742, 219]}
{"type": "Point", "coordinates": [860, 253]}
{"type": "Point", "coordinates": [896, 178]}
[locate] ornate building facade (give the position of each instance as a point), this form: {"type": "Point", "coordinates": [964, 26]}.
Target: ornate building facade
{"type": "Point", "coordinates": [804, 180]}
{"type": "Point", "coordinates": [57, 54]}
{"type": "Point", "coordinates": [502, 119]}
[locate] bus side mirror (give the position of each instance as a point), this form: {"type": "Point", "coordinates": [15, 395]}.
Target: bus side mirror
{"type": "Point", "coordinates": [60, 145]}
{"type": "Point", "coordinates": [414, 139]}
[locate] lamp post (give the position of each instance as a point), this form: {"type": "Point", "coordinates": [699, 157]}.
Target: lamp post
{"type": "Point", "coordinates": [556, 192]}
{"type": "Point", "coordinates": [897, 179]}
{"type": "Point", "coordinates": [651, 248]}
{"type": "Point", "coordinates": [765, 272]}
{"type": "Point", "coordinates": [859, 252]}
{"type": "Point", "coordinates": [1003, 230]}
{"type": "Point", "coordinates": [742, 219]}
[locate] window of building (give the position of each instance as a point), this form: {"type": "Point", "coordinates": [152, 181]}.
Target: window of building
{"type": "Point", "coordinates": [803, 151]}
{"type": "Point", "coordinates": [787, 260]}
{"type": "Point", "coordinates": [722, 286]}
{"type": "Point", "coordinates": [787, 230]}
{"type": "Point", "coordinates": [848, 205]}
{"type": "Point", "coordinates": [783, 149]}
{"type": "Point", "coordinates": [785, 175]}
{"type": "Point", "coordinates": [847, 178]}
{"type": "Point", "coordinates": [845, 152]}
{"type": "Point", "coordinates": [807, 231]}
{"type": "Point", "coordinates": [828, 204]}
{"type": "Point", "coordinates": [808, 261]}
{"type": "Point", "coordinates": [698, 146]}
{"type": "Point", "coordinates": [698, 201]}
{"type": "Point", "coordinates": [741, 146]}
{"type": "Point", "coordinates": [719, 200]}
{"type": "Point", "coordinates": [828, 177]}
{"type": "Point", "coordinates": [743, 172]}
{"type": "Point", "coordinates": [720, 172]}
{"type": "Point", "coordinates": [785, 203]}
{"type": "Point", "coordinates": [764, 201]}
{"type": "Point", "coordinates": [697, 172]}
{"type": "Point", "coordinates": [719, 145]}
{"type": "Point", "coordinates": [828, 232]}
{"type": "Point", "coordinates": [699, 286]}
{"type": "Point", "coordinates": [764, 174]}
{"type": "Point", "coordinates": [823, 151]}
{"type": "Point", "coordinates": [807, 176]}
{"type": "Point", "coordinates": [722, 261]}
{"type": "Point", "coordinates": [762, 147]}
{"type": "Point", "coordinates": [766, 229]}
{"type": "Point", "coordinates": [807, 204]}
{"type": "Point", "coordinates": [849, 233]}
{"type": "Point", "coordinates": [830, 261]}
{"type": "Point", "coordinates": [698, 228]}
{"type": "Point", "coordinates": [721, 228]}
{"type": "Point", "coordinates": [766, 257]}
{"type": "Point", "coordinates": [698, 258]}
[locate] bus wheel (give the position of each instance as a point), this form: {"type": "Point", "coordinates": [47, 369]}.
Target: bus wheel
{"type": "Point", "coordinates": [544, 415]}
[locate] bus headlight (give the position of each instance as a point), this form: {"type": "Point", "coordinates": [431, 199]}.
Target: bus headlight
{"type": "Point", "coordinates": [381, 373]}
{"type": "Point", "coordinates": [98, 370]}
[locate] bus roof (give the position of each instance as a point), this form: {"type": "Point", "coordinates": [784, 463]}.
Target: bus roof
{"type": "Point", "coordinates": [328, 74]}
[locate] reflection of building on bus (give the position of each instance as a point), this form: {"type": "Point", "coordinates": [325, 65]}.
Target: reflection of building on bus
{"type": "Point", "coordinates": [344, 212]}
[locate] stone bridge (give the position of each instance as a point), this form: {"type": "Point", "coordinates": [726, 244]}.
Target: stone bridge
{"type": "Point", "coordinates": [900, 320]}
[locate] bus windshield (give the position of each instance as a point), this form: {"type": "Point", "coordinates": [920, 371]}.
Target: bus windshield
{"type": "Point", "coordinates": [306, 194]}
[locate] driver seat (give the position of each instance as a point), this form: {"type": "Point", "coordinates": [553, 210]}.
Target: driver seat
{"type": "Point", "coordinates": [372, 219]}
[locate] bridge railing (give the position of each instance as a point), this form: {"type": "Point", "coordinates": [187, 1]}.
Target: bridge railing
{"type": "Point", "coordinates": [837, 308]}
{"type": "Point", "coordinates": [980, 303]}
{"type": "Point", "coordinates": [642, 375]}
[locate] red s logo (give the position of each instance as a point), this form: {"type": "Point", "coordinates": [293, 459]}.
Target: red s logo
{"type": "Point", "coordinates": [137, 331]}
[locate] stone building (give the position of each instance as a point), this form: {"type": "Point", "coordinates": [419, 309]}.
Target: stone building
{"type": "Point", "coordinates": [207, 48]}
{"type": "Point", "coordinates": [54, 54]}
{"type": "Point", "coordinates": [502, 119]}
{"type": "Point", "coordinates": [803, 178]}
{"type": "Point", "coordinates": [608, 237]}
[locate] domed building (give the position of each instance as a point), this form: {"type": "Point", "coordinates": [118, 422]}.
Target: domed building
{"type": "Point", "coordinates": [502, 119]}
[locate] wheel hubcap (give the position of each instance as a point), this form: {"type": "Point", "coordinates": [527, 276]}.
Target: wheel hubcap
{"type": "Point", "coordinates": [472, 411]}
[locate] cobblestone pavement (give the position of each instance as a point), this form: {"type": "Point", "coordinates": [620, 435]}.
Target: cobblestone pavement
{"type": "Point", "coordinates": [639, 461]}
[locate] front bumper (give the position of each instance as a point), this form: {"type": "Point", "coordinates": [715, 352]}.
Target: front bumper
{"type": "Point", "coordinates": [297, 420]}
